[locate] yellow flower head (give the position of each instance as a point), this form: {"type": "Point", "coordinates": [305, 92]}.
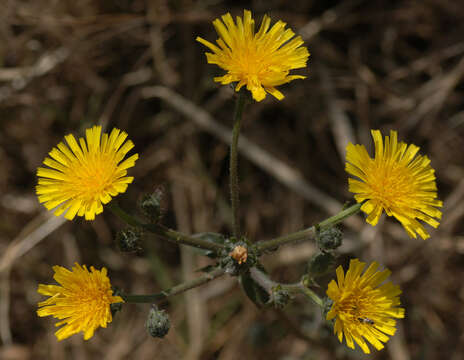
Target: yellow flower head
{"type": "Point", "coordinates": [396, 181]}
{"type": "Point", "coordinates": [82, 299]}
{"type": "Point", "coordinates": [261, 60]}
{"type": "Point", "coordinates": [363, 307]}
{"type": "Point", "coordinates": [82, 176]}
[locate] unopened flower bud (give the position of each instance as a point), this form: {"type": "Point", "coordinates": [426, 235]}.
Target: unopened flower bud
{"type": "Point", "coordinates": [158, 322]}
{"type": "Point", "coordinates": [329, 239]}
{"type": "Point", "coordinates": [320, 264]}
{"type": "Point", "coordinates": [128, 240]}
{"type": "Point", "coordinates": [151, 205]}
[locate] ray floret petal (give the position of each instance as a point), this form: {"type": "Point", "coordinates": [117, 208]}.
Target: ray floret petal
{"type": "Point", "coordinates": [396, 180]}
{"type": "Point", "coordinates": [258, 60]}
{"type": "Point", "coordinates": [83, 175]}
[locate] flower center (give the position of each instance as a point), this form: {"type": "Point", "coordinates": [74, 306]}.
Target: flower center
{"type": "Point", "coordinates": [390, 184]}
{"type": "Point", "coordinates": [90, 180]}
{"type": "Point", "coordinates": [252, 64]}
{"type": "Point", "coordinates": [355, 307]}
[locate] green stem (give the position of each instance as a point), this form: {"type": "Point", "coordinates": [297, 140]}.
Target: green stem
{"type": "Point", "coordinates": [309, 232]}
{"type": "Point", "coordinates": [312, 295]}
{"type": "Point", "coordinates": [163, 232]}
{"type": "Point", "coordinates": [262, 279]}
{"type": "Point", "coordinates": [152, 298]}
{"type": "Point", "coordinates": [233, 163]}
{"type": "Point", "coordinates": [267, 284]}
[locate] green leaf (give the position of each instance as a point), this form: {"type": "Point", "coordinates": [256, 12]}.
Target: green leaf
{"type": "Point", "coordinates": [253, 290]}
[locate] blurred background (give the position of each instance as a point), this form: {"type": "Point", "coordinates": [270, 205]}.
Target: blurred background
{"type": "Point", "coordinates": [134, 64]}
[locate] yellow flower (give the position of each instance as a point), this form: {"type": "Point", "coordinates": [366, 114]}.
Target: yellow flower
{"type": "Point", "coordinates": [82, 299]}
{"type": "Point", "coordinates": [83, 176]}
{"type": "Point", "coordinates": [396, 181]}
{"type": "Point", "coordinates": [363, 307]}
{"type": "Point", "coordinates": [261, 60]}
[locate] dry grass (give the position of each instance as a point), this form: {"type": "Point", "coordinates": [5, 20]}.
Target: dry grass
{"type": "Point", "coordinates": [65, 65]}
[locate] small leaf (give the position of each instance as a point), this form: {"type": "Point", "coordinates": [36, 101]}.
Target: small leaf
{"type": "Point", "coordinates": [253, 290]}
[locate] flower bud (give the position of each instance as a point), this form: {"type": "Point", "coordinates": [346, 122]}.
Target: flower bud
{"type": "Point", "coordinates": [158, 322]}
{"type": "Point", "coordinates": [151, 205]}
{"type": "Point", "coordinates": [319, 264]}
{"type": "Point", "coordinates": [329, 239]}
{"type": "Point", "coordinates": [128, 240]}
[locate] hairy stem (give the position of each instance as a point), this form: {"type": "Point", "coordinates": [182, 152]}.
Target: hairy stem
{"type": "Point", "coordinates": [267, 284]}
{"type": "Point", "coordinates": [233, 163]}
{"type": "Point", "coordinates": [312, 295]}
{"type": "Point", "coordinates": [308, 233]}
{"type": "Point", "coordinates": [163, 232]}
{"type": "Point", "coordinates": [153, 298]}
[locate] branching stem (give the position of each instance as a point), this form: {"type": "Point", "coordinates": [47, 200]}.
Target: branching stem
{"type": "Point", "coordinates": [308, 233]}
{"type": "Point", "coordinates": [153, 298]}
{"type": "Point", "coordinates": [268, 284]}
{"type": "Point", "coordinates": [163, 232]}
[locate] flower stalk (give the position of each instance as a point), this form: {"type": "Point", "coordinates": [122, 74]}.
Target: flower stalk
{"type": "Point", "coordinates": [297, 288]}
{"type": "Point", "coordinates": [163, 232]}
{"type": "Point", "coordinates": [309, 233]}
{"type": "Point", "coordinates": [312, 295]}
{"type": "Point", "coordinates": [233, 164]}
{"type": "Point", "coordinates": [175, 290]}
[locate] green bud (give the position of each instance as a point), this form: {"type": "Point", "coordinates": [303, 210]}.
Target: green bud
{"type": "Point", "coordinates": [329, 239]}
{"type": "Point", "coordinates": [158, 322]}
{"type": "Point", "coordinates": [320, 264]}
{"type": "Point", "coordinates": [128, 240]}
{"type": "Point", "coordinates": [151, 205]}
